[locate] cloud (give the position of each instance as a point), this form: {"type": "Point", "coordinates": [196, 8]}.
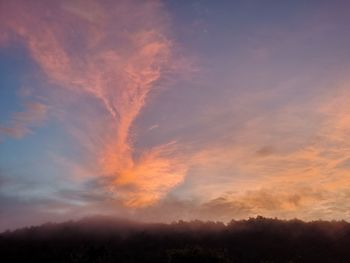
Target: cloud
{"type": "Point", "coordinates": [271, 151]}
{"type": "Point", "coordinates": [21, 123]}
{"type": "Point", "coordinates": [306, 203]}
{"type": "Point", "coordinates": [153, 127]}
{"type": "Point", "coordinates": [265, 151]}
{"type": "Point", "coordinates": [290, 160]}
{"type": "Point", "coordinates": [113, 53]}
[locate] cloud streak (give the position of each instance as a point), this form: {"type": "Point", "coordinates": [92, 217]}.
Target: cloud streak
{"type": "Point", "coordinates": [22, 122]}
{"type": "Point", "coordinates": [114, 52]}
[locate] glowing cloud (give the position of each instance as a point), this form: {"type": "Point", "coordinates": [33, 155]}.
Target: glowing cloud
{"type": "Point", "coordinates": [115, 52]}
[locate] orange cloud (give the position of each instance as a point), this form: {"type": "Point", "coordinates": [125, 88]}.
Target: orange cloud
{"type": "Point", "coordinates": [289, 162]}
{"type": "Point", "coordinates": [152, 175]}
{"type": "Point", "coordinates": [115, 52]}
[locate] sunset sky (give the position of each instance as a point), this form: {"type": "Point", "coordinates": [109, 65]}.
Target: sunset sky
{"type": "Point", "coordinates": [174, 109]}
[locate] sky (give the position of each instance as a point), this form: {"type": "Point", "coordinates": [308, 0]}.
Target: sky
{"type": "Point", "coordinates": [174, 109]}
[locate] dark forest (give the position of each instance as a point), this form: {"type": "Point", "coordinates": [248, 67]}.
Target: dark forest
{"type": "Point", "coordinates": [105, 240]}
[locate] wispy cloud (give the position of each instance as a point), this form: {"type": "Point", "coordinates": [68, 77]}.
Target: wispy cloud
{"type": "Point", "coordinates": [289, 161]}
{"type": "Point", "coordinates": [265, 132]}
{"type": "Point", "coordinates": [22, 122]}
{"type": "Point", "coordinates": [115, 52]}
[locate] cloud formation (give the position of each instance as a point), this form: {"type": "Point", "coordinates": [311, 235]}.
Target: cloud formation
{"type": "Point", "coordinates": [262, 128]}
{"type": "Point", "coordinates": [291, 161]}
{"type": "Point", "coordinates": [114, 52]}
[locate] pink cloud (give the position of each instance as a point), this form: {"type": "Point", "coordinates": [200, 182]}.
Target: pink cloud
{"type": "Point", "coordinates": [114, 52]}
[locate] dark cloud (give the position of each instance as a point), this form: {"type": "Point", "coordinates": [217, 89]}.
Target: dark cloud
{"type": "Point", "coordinates": [265, 151]}
{"type": "Point", "coordinates": [225, 209]}
{"type": "Point", "coordinates": [344, 164]}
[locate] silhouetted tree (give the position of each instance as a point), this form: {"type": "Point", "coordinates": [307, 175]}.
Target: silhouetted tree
{"type": "Point", "coordinates": [107, 240]}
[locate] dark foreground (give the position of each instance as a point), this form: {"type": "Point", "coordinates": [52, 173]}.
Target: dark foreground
{"type": "Point", "coordinates": [103, 240]}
